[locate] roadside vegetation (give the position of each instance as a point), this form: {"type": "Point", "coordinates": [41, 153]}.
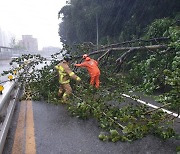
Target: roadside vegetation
{"type": "Point", "coordinates": [149, 67]}
{"type": "Point", "coordinates": [144, 59]}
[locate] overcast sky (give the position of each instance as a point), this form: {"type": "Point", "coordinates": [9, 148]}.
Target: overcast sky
{"type": "Point", "coordinates": [32, 17]}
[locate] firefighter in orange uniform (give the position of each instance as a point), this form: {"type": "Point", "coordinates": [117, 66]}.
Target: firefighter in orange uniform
{"type": "Point", "coordinates": [92, 67]}
{"type": "Point", "coordinates": [65, 74]}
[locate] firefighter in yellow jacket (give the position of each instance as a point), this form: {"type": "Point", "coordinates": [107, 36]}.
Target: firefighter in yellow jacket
{"type": "Point", "coordinates": [65, 73]}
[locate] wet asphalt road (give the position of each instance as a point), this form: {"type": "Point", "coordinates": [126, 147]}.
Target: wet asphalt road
{"type": "Point", "coordinates": [56, 132]}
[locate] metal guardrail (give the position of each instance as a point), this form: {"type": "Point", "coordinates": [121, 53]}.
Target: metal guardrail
{"type": "Point", "coordinates": [8, 86]}
{"type": "Point", "coordinates": [8, 100]}
{"type": "Point", "coordinates": [5, 47]}
{"type": "Point", "coordinates": [7, 104]}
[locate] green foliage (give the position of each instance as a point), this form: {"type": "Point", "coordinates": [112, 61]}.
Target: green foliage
{"type": "Point", "coordinates": [127, 123]}
{"type": "Point", "coordinates": [175, 35]}
{"type": "Point", "coordinates": [120, 120]}
{"type": "Point", "coordinates": [149, 72]}
{"type": "Point", "coordinates": [159, 71]}
{"type": "Point", "coordinates": [172, 78]}
{"type": "Point", "coordinates": [103, 137]}
{"type": "Point", "coordinates": [178, 148]}
{"type": "Point", "coordinates": [159, 28]}
{"type": "Point", "coordinates": [145, 69]}
{"type": "Point", "coordinates": [118, 20]}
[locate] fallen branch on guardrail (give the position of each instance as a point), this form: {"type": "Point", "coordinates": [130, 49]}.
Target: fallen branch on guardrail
{"type": "Point", "coordinates": [148, 112]}
{"type": "Point", "coordinates": [153, 106]}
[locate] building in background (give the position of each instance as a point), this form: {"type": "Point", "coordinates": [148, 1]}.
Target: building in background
{"type": "Point", "coordinates": [29, 43]}
{"type": "Point", "coordinates": [1, 37]}
{"type": "Point", "coordinates": [5, 38]}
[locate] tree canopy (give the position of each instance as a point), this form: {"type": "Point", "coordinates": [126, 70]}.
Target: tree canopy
{"type": "Point", "coordinates": [117, 20]}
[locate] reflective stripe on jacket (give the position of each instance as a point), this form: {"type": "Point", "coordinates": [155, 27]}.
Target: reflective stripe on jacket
{"type": "Point", "coordinates": [62, 75]}
{"type": "Point", "coordinates": [65, 73]}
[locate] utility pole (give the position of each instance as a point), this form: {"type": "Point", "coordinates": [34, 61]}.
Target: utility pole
{"type": "Point", "coordinates": [97, 32]}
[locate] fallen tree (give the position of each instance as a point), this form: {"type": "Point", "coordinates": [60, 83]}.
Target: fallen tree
{"type": "Point", "coordinates": [119, 119]}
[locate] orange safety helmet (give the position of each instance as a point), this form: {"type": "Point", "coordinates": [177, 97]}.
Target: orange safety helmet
{"type": "Point", "coordinates": [84, 56]}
